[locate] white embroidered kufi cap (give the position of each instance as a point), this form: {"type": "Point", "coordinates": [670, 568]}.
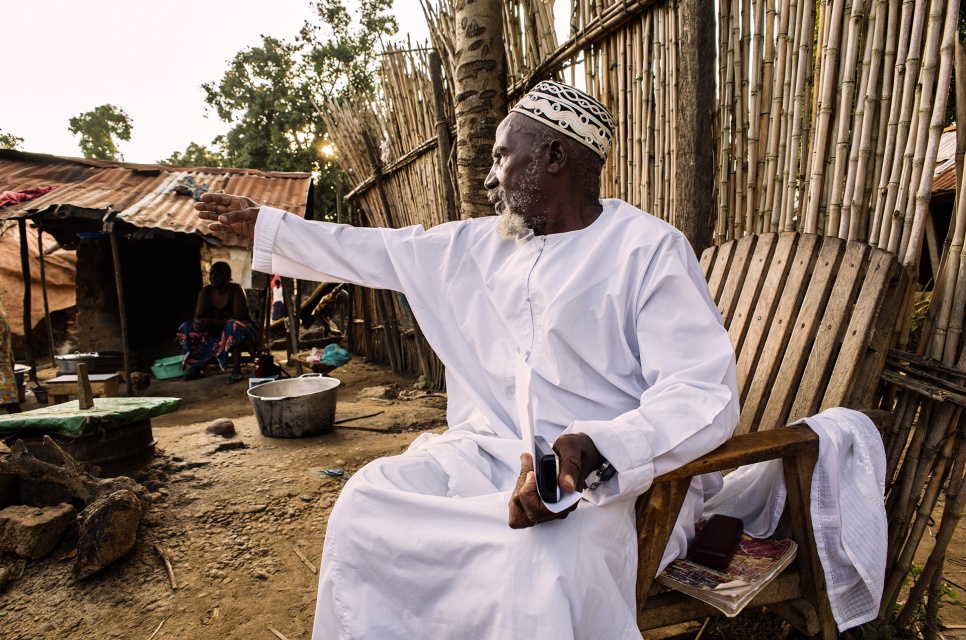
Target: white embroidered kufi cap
{"type": "Point", "coordinates": [571, 112]}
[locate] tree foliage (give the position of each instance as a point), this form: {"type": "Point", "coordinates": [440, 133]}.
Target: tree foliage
{"type": "Point", "coordinates": [99, 131]}
{"type": "Point", "coordinates": [9, 141]}
{"type": "Point", "coordinates": [346, 58]}
{"type": "Point", "coordinates": [270, 93]}
{"type": "Point", "coordinates": [196, 155]}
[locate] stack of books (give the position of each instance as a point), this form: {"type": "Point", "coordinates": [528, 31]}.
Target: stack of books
{"type": "Point", "coordinates": [754, 564]}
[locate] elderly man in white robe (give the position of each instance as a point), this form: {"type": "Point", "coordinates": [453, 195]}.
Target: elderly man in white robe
{"type": "Point", "coordinates": [631, 375]}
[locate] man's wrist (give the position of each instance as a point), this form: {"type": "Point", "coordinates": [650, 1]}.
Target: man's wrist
{"type": "Point", "coordinates": [603, 473]}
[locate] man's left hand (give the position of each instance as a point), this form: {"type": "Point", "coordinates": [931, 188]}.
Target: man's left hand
{"type": "Point", "coordinates": [578, 458]}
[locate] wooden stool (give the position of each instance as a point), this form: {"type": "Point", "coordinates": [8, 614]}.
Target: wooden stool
{"type": "Point", "coordinates": [102, 384]}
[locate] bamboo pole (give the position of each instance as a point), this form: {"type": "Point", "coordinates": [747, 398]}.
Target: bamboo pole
{"type": "Point", "coordinates": [778, 123]}
{"type": "Point", "coordinates": [784, 148]}
{"type": "Point", "coordinates": [926, 153]}
{"type": "Point", "coordinates": [756, 61]}
{"type": "Point", "coordinates": [768, 91]}
{"type": "Point", "coordinates": [870, 197]}
{"type": "Point", "coordinates": [742, 37]}
{"type": "Point", "coordinates": [792, 174]}
{"type": "Point", "coordinates": [903, 184]}
{"type": "Point", "coordinates": [952, 513]}
{"type": "Point", "coordinates": [856, 178]}
{"type": "Point", "coordinates": [949, 325]}
{"type": "Point", "coordinates": [827, 96]}
{"type": "Point", "coordinates": [843, 140]}
{"type": "Point", "coordinates": [906, 73]}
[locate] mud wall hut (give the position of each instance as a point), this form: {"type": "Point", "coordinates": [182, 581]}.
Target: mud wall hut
{"type": "Point", "coordinates": [135, 224]}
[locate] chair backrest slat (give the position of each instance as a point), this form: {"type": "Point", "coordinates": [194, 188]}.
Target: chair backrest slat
{"type": "Point", "coordinates": [799, 352]}
{"type": "Point", "coordinates": [739, 320]}
{"type": "Point", "coordinates": [864, 347]}
{"type": "Point", "coordinates": [762, 309]}
{"type": "Point", "coordinates": [825, 345]}
{"type": "Point", "coordinates": [719, 270]}
{"type": "Point", "coordinates": [779, 332]}
{"type": "Point", "coordinates": [810, 319]}
{"type": "Point", "coordinates": [707, 260]}
{"type": "Point", "coordinates": [736, 276]}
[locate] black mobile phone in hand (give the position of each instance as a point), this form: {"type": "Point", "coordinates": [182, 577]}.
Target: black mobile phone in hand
{"type": "Point", "coordinates": [546, 466]}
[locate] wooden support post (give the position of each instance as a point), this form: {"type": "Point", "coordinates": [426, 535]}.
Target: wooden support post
{"type": "Point", "coordinates": [28, 336]}
{"type": "Point", "coordinates": [444, 144]}
{"type": "Point", "coordinates": [43, 288]}
{"type": "Point", "coordinates": [292, 335]}
{"type": "Point", "coordinates": [694, 186]}
{"type": "Point", "coordinates": [85, 396]}
{"type": "Point", "coordinates": [121, 310]}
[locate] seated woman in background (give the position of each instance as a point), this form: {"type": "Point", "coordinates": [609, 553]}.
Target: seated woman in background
{"type": "Point", "coordinates": [221, 326]}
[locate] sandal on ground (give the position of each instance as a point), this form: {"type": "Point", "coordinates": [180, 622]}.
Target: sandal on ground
{"type": "Point", "coordinates": [234, 379]}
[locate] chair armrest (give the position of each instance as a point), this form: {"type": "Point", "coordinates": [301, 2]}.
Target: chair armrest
{"type": "Point", "coordinates": [658, 508]}
{"type": "Point", "coordinates": [748, 448]}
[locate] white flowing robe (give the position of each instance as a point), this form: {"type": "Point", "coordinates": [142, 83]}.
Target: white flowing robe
{"type": "Point", "coordinates": [625, 345]}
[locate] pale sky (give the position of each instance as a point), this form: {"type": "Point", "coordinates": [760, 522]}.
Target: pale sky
{"type": "Point", "coordinates": [64, 57]}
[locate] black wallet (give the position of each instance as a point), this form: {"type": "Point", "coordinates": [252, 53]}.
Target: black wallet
{"type": "Point", "coordinates": [717, 541]}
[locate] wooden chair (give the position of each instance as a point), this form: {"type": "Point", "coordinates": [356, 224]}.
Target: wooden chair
{"type": "Point", "coordinates": [810, 319]}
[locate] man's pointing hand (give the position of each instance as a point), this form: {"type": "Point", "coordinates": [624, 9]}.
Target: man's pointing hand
{"type": "Point", "coordinates": [236, 214]}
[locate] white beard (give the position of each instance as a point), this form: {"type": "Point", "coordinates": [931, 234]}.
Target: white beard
{"type": "Point", "coordinates": [512, 226]}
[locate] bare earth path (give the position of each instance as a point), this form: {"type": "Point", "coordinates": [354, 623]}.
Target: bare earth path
{"type": "Point", "coordinates": [231, 522]}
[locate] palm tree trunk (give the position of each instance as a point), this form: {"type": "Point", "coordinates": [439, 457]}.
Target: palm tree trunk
{"type": "Point", "coordinates": [480, 98]}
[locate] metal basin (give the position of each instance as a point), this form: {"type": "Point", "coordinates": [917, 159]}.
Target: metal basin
{"type": "Point", "coordinates": [295, 408]}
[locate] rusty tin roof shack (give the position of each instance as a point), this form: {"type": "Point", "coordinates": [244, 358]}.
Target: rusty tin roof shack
{"type": "Point", "coordinates": [131, 218]}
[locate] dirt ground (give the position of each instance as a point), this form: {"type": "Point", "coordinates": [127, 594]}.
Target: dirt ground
{"type": "Point", "coordinates": [237, 522]}
{"type": "Point", "coordinates": [233, 522]}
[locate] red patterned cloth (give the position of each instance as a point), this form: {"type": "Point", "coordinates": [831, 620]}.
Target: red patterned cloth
{"type": "Point", "coordinates": [13, 197]}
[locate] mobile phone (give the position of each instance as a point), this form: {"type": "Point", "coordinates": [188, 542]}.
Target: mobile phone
{"type": "Point", "coordinates": [546, 467]}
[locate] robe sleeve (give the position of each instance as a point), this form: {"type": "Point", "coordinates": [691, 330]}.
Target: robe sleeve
{"type": "Point", "coordinates": [411, 260]}
{"type": "Point", "coordinates": [690, 404]}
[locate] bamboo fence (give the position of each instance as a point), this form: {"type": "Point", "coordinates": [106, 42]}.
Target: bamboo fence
{"type": "Point", "coordinates": [828, 120]}
{"type": "Point", "coordinates": [387, 145]}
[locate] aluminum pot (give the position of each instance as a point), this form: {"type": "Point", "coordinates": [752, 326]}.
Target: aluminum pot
{"type": "Point", "coordinates": [67, 364]}
{"type": "Point", "coordinates": [295, 408]}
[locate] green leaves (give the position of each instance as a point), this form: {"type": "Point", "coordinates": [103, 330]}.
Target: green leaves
{"type": "Point", "coordinates": [196, 155]}
{"type": "Point", "coordinates": [9, 141]}
{"type": "Point", "coordinates": [270, 92]}
{"type": "Point", "coordinates": [100, 129]}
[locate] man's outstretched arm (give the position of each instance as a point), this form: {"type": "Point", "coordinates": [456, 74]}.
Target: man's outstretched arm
{"type": "Point", "coordinates": [411, 260]}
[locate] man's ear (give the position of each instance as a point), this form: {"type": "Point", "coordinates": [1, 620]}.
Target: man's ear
{"type": "Point", "coordinates": [557, 157]}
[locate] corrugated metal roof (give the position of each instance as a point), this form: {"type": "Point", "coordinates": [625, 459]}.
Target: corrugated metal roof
{"type": "Point", "coordinates": [143, 195]}
{"type": "Point", "coordinates": [945, 181]}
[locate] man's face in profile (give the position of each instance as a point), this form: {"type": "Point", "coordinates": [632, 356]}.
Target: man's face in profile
{"type": "Point", "coordinates": [513, 181]}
